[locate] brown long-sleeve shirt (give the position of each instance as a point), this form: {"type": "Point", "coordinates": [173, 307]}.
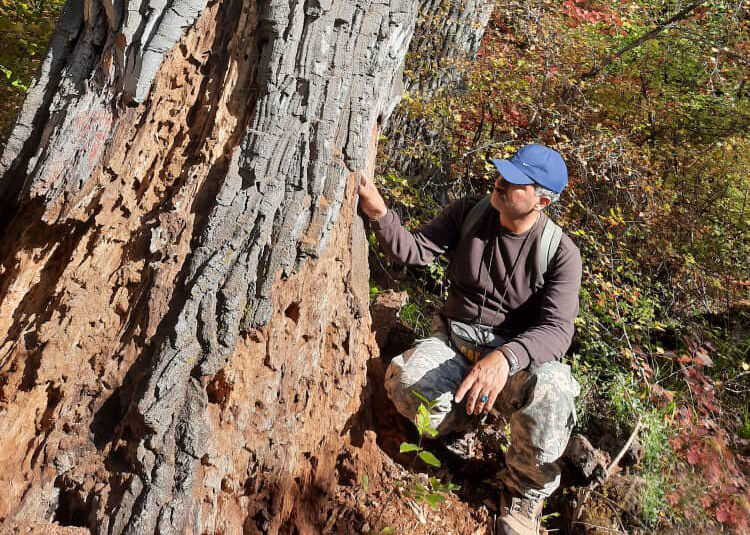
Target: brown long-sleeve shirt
{"type": "Point", "coordinates": [539, 324]}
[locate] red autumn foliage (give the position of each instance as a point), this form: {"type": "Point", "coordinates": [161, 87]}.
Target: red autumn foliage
{"type": "Point", "coordinates": [705, 446]}
{"type": "Point", "coordinates": [584, 11]}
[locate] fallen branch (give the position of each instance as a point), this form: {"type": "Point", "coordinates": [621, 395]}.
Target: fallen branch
{"type": "Point", "coordinates": [613, 465]}
{"type": "Point", "coordinates": [610, 470]}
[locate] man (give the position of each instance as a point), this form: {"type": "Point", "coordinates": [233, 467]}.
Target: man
{"type": "Point", "coordinates": [513, 296]}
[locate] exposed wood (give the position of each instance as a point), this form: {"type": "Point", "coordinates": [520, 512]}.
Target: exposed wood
{"type": "Point", "coordinates": [183, 278]}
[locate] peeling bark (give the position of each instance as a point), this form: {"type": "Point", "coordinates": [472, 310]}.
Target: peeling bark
{"type": "Point", "coordinates": [184, 323]}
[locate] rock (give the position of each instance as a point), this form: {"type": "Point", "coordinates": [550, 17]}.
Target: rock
{"type": "Point", "coordinates": [634, 454]}
{"type": "Point", "coordinates": [590, 462]}
{"type": "Point", "coordinates": [391, 335]}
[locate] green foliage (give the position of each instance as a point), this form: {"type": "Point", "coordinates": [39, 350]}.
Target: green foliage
{"type": "Point", "coordinates": [399, 187]}
{"type": "Point", "coordinates": [434, 492]}
{"type": "Point", "coordinates": [15, 82]}
{"type": "Point", "coordinates": [412, 316]}
{"type": "Point", "coordinates": [618, 397]}
{"type": "Point", "coordinates": [423, 418]}
{"type": "Point", "coordinates": [406, 447]}
{"type": "Point", "coordinates": [25, 27]}
{"type": "Point", "coordinates": [374, 291]}
{"type": "Point", "coordinates": [429, 458]}
{"type": "Point", "coordinates": [657, 454]}
{"type": "Point", "coordinates": [545, 518]}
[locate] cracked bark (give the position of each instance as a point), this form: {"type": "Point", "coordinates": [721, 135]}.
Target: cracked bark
{"type": "Point", "coordinates": [184, 319]}
{"type": "Point", "coordinates": [447, 35]}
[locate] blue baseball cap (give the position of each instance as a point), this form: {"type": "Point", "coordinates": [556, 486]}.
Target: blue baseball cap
{"type": "Point", "coordinates": [535, 164]}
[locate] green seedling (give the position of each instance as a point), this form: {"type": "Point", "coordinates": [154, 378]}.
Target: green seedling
{"type": "Point", "coordinates": [425, 429]}
{"type": "Point", "coordinates": [434, 492]}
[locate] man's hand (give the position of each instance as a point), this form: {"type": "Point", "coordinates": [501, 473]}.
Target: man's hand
{"type": "Point", "coordinates": [370, 200]}
{"type": "Point", "coordinates": [487, 377]}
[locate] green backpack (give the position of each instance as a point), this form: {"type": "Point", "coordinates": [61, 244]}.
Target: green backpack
{"type": "Point", "coordinates": [549, 240]}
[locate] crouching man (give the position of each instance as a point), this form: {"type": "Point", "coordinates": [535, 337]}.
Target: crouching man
{"type": "Point", "coordinates": [513, 296]}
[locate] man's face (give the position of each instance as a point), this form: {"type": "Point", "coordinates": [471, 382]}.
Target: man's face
{"type": "Point", "coordinates": [514, 200]}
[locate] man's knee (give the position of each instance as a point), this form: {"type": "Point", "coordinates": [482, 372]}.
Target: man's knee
{"type": "Point", "coordinates": [430, 370]}
{"type": "Point", "coordinates": [413, 371]}
{"type": "Point", "coordinates": [548, 417]}
{"type": "Point", "coordinates": [428, 366]}
{"type": "Point", "coordinates": [398, 384]}
{"type": "Point", "coordinates": [553, 382]}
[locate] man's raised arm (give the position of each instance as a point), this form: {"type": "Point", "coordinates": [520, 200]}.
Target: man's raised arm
{"type": "Point", "coordinates": [416, 248]}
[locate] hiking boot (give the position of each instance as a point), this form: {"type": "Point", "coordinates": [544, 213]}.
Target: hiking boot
{"type": "Point", "coordinates": [519, 516]}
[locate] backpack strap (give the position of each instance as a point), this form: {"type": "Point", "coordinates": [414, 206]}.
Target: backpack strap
{"type": "Point", "coordinates": [475, 214]}
{"type": "Point", "coordinates": [549, 240]}
{"type": "Point", "coordinates": [548, 244]}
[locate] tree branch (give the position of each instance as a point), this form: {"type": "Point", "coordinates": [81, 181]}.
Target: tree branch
{"type": "Point", "coordinates": [613, 465]}
{"type": "Point", "coordinates": [643, 38]}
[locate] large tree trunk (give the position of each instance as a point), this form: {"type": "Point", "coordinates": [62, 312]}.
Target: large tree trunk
{"type": "Point", "coordinates": [184, 320]}
{"type": "Point", "coordinates": [447, 36]}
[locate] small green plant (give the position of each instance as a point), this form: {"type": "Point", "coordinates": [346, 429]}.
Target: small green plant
{"type": "Point", "coordinates": [424, 428]}
{"type": "Point", "coordinates": [434, 492]}
{"type": "Point", "coordinates": [374, 291]}
{"type": "Point", "coordinates": [412, 316]}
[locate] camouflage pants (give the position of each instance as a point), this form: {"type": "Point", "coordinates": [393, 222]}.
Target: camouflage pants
{"type": "Point", "coordinates": [539, 402]}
